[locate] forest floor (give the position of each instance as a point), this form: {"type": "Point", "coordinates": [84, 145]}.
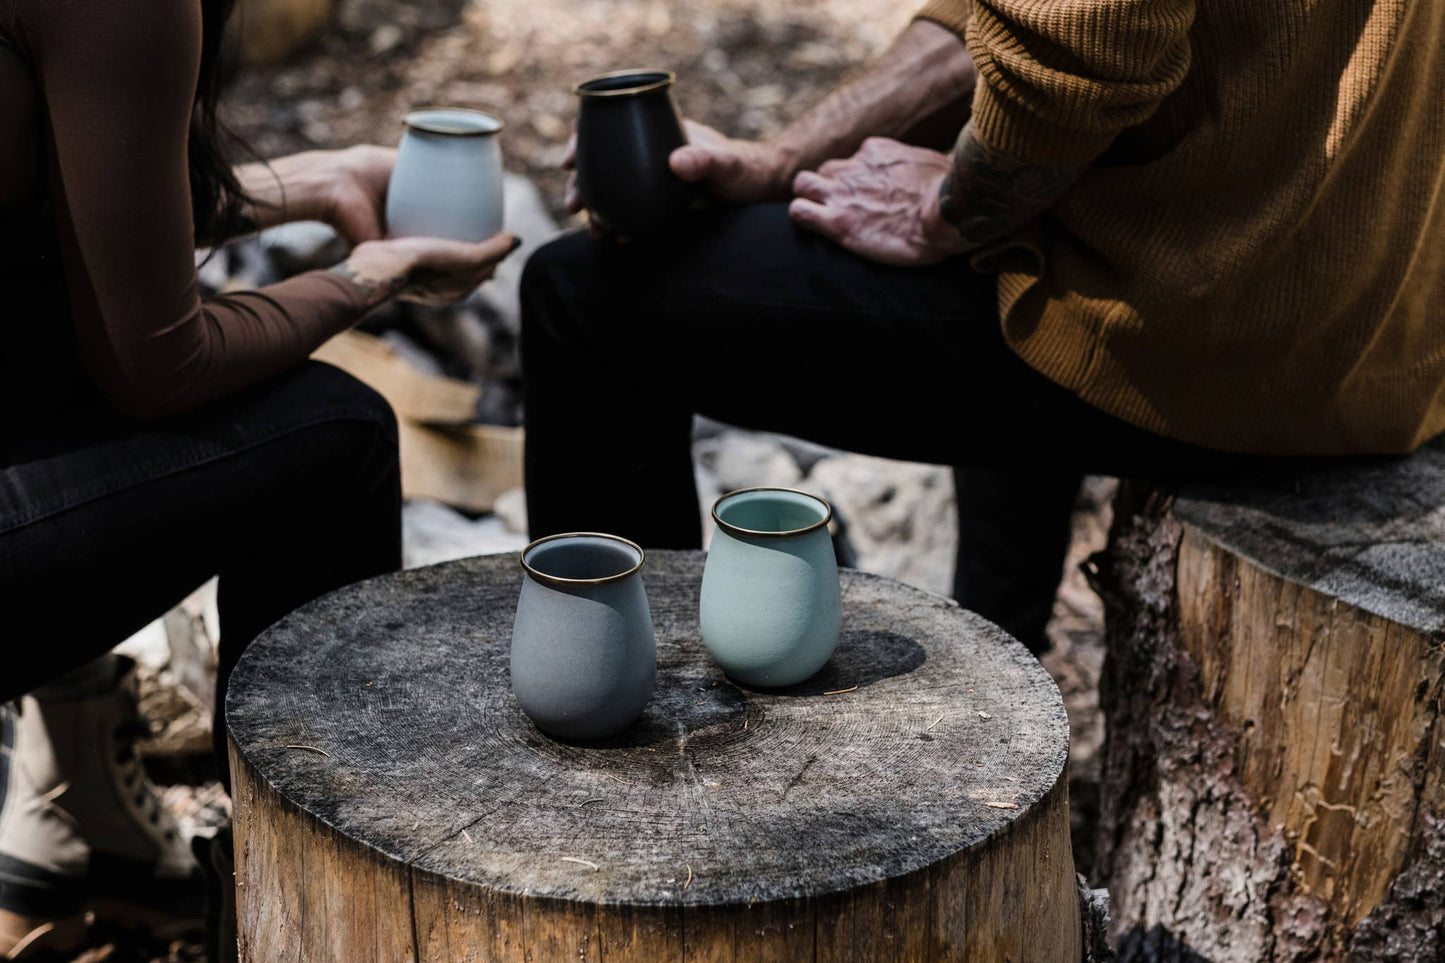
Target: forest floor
{"type": "Point", "coordinates": [747, 67]}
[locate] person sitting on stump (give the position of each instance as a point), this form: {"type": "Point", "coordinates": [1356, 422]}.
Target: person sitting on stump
{"type": "Point", "coordinates": [1175, 238]}
{"type": "Point", "coordinates": [151, 439]}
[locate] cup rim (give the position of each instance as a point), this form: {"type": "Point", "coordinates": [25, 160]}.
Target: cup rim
{"type": "Point", "coordinates": [739, 530]}
{"type": "Point", "coordinates": [668, 79]}
{"type": "Point", "coordinates": [408, 120]}
{"type": "Point", "coordinates": [546, 579]}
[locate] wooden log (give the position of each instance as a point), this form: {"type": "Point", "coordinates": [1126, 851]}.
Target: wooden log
{"type": "Point", "coordinates": [443, 456]}
{"type": "Point", "coordinates": [412, 393]}
{"type": "Point", "coordinates": [392, 802]}
{"type": "Point", "coordinates": [1274, 766]}
{"type": "Point", "coordinates": [466, 466]}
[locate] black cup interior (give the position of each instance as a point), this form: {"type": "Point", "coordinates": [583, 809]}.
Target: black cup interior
{"type": "Point", "coordinates": [624, 82]}
{"type": "Point", "coordinates": [582, 557]}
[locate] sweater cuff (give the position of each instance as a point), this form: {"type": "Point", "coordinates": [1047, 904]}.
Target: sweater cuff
{"type": "Point", "coordinates": [948, 14]}
{"type": "Point", "coordinates": [1012, 129]}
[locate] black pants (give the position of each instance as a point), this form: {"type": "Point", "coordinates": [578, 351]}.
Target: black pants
{"type": "Point", "coordinates": [287, 490]}
{"type": "Point", "coordinates": [750, 321]}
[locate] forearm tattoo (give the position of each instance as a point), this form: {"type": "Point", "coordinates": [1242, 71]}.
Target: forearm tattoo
{"type": "Point", "coordinates": [988, 195]}
{"type": "Point", "coordinates": [377, 289]}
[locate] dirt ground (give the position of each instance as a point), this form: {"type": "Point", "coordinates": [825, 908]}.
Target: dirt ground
{"type": "Point", "coordinates": [745, 66]}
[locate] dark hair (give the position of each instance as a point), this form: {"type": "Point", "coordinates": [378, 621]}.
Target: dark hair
{"type": "Point", "coordinates": [217, 200]}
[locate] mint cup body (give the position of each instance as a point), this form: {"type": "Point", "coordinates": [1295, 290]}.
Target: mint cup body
{"type": "Point", "coordinates": [447, 181]}
{"type": "Point", "coordinates": [771, 608]}
{"type": "Point", "coordinates": [584, 657]}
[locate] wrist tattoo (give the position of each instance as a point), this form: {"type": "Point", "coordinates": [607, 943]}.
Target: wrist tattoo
{"type": "Point", "coordinates": [377, 290]}
{"type": "Point", "coordinates": [988, 194]}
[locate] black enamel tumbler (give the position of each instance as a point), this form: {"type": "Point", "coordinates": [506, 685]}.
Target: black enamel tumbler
{"type": "Point", "coordinates": [627, 126]}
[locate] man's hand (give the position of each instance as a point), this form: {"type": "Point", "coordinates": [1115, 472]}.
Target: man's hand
{"type": "Point", "coordinates": [881, 204]}
{"type": "Point", "coordinates": [738, 171]}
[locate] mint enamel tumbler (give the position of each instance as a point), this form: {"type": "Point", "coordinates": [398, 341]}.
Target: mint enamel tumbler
{"type": "Point", "coordinates": [771, 606]}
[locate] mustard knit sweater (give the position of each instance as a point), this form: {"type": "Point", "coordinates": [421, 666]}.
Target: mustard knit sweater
{"type": "Point", "coordinates": [1255, 259]}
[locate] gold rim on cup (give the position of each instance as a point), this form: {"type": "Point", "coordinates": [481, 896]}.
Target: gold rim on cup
{"type": "Point", "coordinates": [546, 579]}
{"type": "Point", "coordinates": [422, 126]}
{"type": "Point", "coordinates": [739, 530]}
{"type": "Point", "coordinates": [668, 79]}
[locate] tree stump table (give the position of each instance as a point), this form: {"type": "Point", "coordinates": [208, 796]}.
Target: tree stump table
{"type": "Point", "coordinates": [394, 804]}
{"type": "Point", "coordinates": [1274, 778]}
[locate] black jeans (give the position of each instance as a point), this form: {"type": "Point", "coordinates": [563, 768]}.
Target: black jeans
{"type": "Point", "coordinates": [748, 320]}
{"type": "Point", "coordinates": [286, 490]}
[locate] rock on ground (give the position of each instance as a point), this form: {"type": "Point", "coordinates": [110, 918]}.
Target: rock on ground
{"type": "Point", "coordinates": [433, 533]}
{"type": "Point", "coordinates": [898, 517]}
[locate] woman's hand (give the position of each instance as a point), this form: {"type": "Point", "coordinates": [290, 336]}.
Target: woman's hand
{"type": "Point", "coordinates": [424, 269]}
{"type": "Point", "coordinates": [882, 204]}
{"type": "Point", "coordinates": [345, 188]}
{"type": "Point", "coordinates": [355, 203]}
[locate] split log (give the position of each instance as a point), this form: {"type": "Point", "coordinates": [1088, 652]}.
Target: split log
{"type": "Point", "coordinates": [443, 456]}
{"type": "Point", "coordinates": [466, 466]}
{"type": "Point", "coordinates": [1274, 777]}
{"type": "Point", "coordinates": [412, 394]}
{"type": "Point", "coordinates": [393, 804]}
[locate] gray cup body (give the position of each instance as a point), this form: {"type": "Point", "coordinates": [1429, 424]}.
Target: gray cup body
{"type": "Point", "coordinates": [584, 657]}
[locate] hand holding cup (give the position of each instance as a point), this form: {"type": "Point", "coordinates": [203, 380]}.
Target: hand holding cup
{"type": "Point", "coordinates": [447, 182]}
{"type": "Point", "coordinates": [627, 130]}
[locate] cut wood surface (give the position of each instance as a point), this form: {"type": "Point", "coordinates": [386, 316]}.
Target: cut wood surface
{"type": "Point", "coordinates": [1273, 780]}
{"type": "Point", "coordinates": [909, 803]}
{"type": "Point", "coordinates": [466, 466]}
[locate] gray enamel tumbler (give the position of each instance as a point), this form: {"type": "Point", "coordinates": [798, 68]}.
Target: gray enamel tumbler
{"type": "Point", "coordinates": [584, 657]}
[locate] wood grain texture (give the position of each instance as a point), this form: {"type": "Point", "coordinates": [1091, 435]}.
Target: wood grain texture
{"type": "Point", "coordinates": [908, 803]}
{"type": "Point", "coordinates": [466, 466]}
{"type": "Point", "coordinates": [1273, 785]}
{"type": "Point", "coordinates": [412, 393]}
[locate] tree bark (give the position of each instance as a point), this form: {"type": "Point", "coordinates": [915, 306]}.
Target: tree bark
{"type": "Point", "coordinates": [1273, 692]}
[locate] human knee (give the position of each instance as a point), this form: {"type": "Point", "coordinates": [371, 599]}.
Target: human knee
{"type": "Point", "coordinates": [339, 391]}
{"type": "Point", "coordinates": [354, 418]}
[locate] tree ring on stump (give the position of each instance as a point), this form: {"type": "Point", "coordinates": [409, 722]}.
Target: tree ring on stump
{"type": "Point", "coordinates": [910, 798]}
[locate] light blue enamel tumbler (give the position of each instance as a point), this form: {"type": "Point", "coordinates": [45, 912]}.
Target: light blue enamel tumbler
{"type": "Point", "coordinates": [447, 181]}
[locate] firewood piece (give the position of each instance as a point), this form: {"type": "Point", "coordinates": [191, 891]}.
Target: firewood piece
{"type": "Point", "coordinates": [413, 394]}
{"type": "Point", "coordinates": [466, 466]}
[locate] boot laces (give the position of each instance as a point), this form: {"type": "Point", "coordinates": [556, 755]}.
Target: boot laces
{"type": "Point", "coordinates": [127, 732]}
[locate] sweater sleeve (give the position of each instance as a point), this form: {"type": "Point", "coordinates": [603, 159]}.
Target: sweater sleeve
{"type": "Point", "coordinates": [952, 14]}
{"type": "Point", "coordinates": [1059, 79]}
{"type": "Point", "coordinates": [118, 80]}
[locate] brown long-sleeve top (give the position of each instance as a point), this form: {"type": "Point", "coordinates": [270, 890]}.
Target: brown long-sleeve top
{"type": "Point", "coordinates": [95, 102]}
{"type": "Point", "coordinates": [1255, 259]}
